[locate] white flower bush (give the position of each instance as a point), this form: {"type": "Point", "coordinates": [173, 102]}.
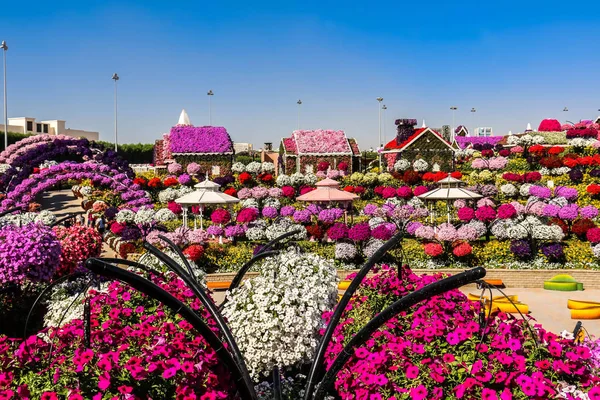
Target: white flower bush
{"type": "Point", "coordinates": [276, 316]}
{"type": "Point", "coordinates": [45, 217]}
{"type": "Point", "coordinates": [125, 216]}
{"type": "Point", "coordinates": [48, 164]}
{"type": "Point", "coordinates": [401, 165]}
{"type": "Point", "coordinates": [555, 171]}
{"type": "Point", "coordinates": [268, 167]}
{"type": "Point", "coordinates": [249, 203]}
{"type": "Point", "coordinates": [526, 140]}
{"type": "Point", "coordinates": [283, 180]}
{"type": "Point", "coordinates": [596, 250]}
{"type": "Point", "coordinates": [524, 189]}
{"type": "Point", "coordinates": [238, 168]}
{"type": "Point", "coordinates": [283, 226]}
{"type": "Point", "coordinates": [310, 179]}
{"type": "Point", "coordinates": [4, 168]}
{"type": "Point", "coordinates": [580, 142]}
{"type": "Point", "coordinates": [509, 190]}
{"type": "Point", "coordinates": [372, 246]}
{"type": "Point", "coordinates": [345, 251]}
{"type": "Point", "coordinates": [66, 301]}
{"type": "Point", "coordinates": [254, 167]}
{"type": "Point", "coordinates": [85, 191]}
{"type": "Point", "coordinates": [272, 202]}
{"type": "Point", "coordinates": [297, 178]}
{"type": "Point", "coordinates": [420, 165]}
{"type": "Point", "coordinates": [255, 233]}
{"type": "Point", "coordinates": [375, 222]}
{"type": "Point", "coordinates": [144, 216]}
{"type": "Point", "coordinates": [169, 194]}
{"type": "Point", "coordinates": [164, 215]}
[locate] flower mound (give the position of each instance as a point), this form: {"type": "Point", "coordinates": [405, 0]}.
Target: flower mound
{"type": "Point", "coordinates": [204, 139]}
{"type": "Point", "coordinates": [78, 243]}
{"type": "Point", "coordinates": [138, 349]}
{"type": "Point", "coordinates": [435, 351]}
{"type": "Point", "coordinates": [31, 251]}
{"type": "Point", "coordinates": [276, 321]}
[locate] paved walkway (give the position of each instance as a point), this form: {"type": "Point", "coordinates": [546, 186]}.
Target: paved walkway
{"type": "Point", "coordinates": [63, 202]}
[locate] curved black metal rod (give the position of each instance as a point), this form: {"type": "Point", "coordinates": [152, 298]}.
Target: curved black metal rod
{"type": "Point", "coordinates": [132, 263]}
{"type": "Point", "coordinates": [276, 383]}
{"type": "Point", "coordinates": [317, 365]}
{"type": "Point", "coordinates": [434, 289]}
{"type": "Point", "coordinates": [178, 251]}
{"type": "Point", "coordinates": [150, 289]}
{"type": "Point", "coordinates": [66, 217]}
{"type": "Point", "coordinates": [43, 293]}
{"type": "Point", "coordinates": [207, 302]}
{"type": "Point", "coordinates": [278, 239]}
{"type": "Point", "coordinates": [10, 210]}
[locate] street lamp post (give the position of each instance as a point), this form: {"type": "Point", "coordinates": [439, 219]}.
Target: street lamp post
{"type": "Point", "coordinates": [379, 99]}
{"type": "Point", "coordinates": [384, 108]}
{"type": "Point", "coordinates": [473, 110]}
{"type": "Point", "coordinates": [5, 48]}
{"type": "Point", "coordinates": [453, 108]}
{"type": "Point", "coordinates": [210, 94]}
{"type": "Point", "coordinates": [115, 77]}
{"type": "Point", "coordinates": [299, 102]}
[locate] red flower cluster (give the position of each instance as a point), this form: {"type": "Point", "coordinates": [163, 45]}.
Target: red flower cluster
{"type": "Point", "coordinates": [315, 231]}
{"type": "Point", "coordinates": [155, 183]}
{"type": "Point", "coordinates": [593, 189]}
{"type": "Point", "coordinates": [551, 162]}
{"type": "Point", "coordinates": [194, 252]}
{"type": "Point", "coordinates": [584, 133]}
{"type": "Point", "coordinates": [288, 191]}
{"type": "Point", "coordinates": [434, 176]}
{"type": "Point", "coordinates": [462, 250]}
{"type": "Point", "coordinates": [140, 181]}
{"type": "Point", "coordinates": [581, 226]}
{"type": "Point", "coordinates": [556, 150]}
{"type": "Point", "coordinates": [411, 177]}
{"type": "Point", "coordinates": [537, 149]}
{"type": "Point", "coordinates": [528, 177]}
{"type": "Point", "coordinates": [265, 177]}
{"type": "Point", "coordinates": [573, 160]}
{"type": "Point", "coordinates": [245, 178]}
{"type": "Point", "coordinates": [487, 153]}
{"type": "Point", "coordinates": [170, 182]}
{"type": "Point", "coordinates": [231, 191]}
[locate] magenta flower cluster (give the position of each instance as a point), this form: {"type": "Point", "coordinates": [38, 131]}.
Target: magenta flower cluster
{"type": "Point", "coordinates": [201, 139]}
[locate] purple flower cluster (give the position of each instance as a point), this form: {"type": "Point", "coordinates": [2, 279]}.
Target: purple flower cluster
{"type": "Point", "coordinates": [554, 251]}
{"type": "Point", "coordinates": [338, 231]}
{"type": "Point", "coordinates": [270, 212]}
{"type": "Point", "coordinates": [569, 212]}
{"type": "Point", "coordinates": [235, 230]}
{"type": "Point", "coordinates": [287, 211]}
{"type": "Point", "coordinates": [521, 249]}
{"type": "Point", "coordinates": [588, 212]}
{"type": "Point", "coordinates": [329, 215]}
{"type": "Point", "coordinates": [540, 191]}
{"type": "Point", "coordinates": [566, 192]}
{"type": "Point", "coordinates": [360, 232]}
{"type": "Point", "coordinates": [302, 216]}
{"type": "Point", "coordinates": [203, 139]}
{"type": "Point", "coordinates": [31, 251]}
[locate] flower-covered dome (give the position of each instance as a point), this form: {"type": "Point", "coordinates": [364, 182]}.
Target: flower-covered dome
{"type": "Point", "coordinates": [550, 125]}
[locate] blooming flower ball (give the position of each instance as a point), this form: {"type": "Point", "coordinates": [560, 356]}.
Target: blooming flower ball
{"type": "Point", "coordinates": [193, 168]}
{"type": "Point", "coordinates": [466, 214]}
{"type": "Point", "coordinates": [220, 216]}
{"type": "Point", "coordinates": [174, 168]}
{"type": "Point", "coordinates": [462, 250]}
{"type": "Point", "coordinates": [433, 249]}
{"type": "Point", "coordinates": [506, 211]}
{"type": "Point", "coordinates": [485, 214]}
{"type": "Point", "coordinates": [360, 232]}
{"type": "Point", "coordinates": [270, 212]}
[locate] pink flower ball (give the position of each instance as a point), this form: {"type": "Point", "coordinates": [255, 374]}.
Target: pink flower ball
{"type": "Point", "coordinates": [466, 213]}
{"type": "Point", "coordinates": [404, 192]}
{"type": "Point", "coordinates": [419, 190]}
{"type": "Point", "coordinates": [506, 211]}
{"type": "Point", "coordinates": [516, 150]}
{"type": "Point", "coordinates": [485, 214]}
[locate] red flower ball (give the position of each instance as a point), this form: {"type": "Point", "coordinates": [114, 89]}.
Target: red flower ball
{"type": "Point", "coordinates": [170, 182]}
{"type": "Point", "coordinates": [593, 235]}
{"type": "Point", "coordinates": [244, 178]}
{"type": "Point", "coordinates": [433, 249]}
{"type": "Point", "coordinates": [288, 191]}
{"type": "Point", "coordinates": [462, 250]}
{"type": "Point", "coordinates": [155, 183]}
{"type": "Point", "coordinates": [194, 252]}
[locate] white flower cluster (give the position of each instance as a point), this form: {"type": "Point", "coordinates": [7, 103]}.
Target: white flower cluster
{"type": "Point", "coordinates": [238, 168]}
{"type": "Point", "coordinates": [250, 203]}
{"type": "Point", "coordinates": [509, 190]}
{"type": "Point", "coordinates": [164, 215]}
{"type": "Point", "coordinates": [149, 260]}
{"type": "Point", "coordinates": [401, 165]}
{"type": "Point", "coordinates": [372, 246]}
{"type": "Point", "coordinates": [310, 179]}
{"type": "Point", "coordinates": [375, 222]}
{"type": "Point", "coordinates": [276, 316]}
{"type": "Point", "coordinates": [385, 178]}
{"type": "Point", "coordinates": [283, 226]}
{"type": "Point", "coordinates": [4, 168]}
{"type": "Point", "coordinates": [283, 180]}
{"type": "Point", "coordinates": [524, 189]}
{"type": "Point", "coordinates": [66, 302]}
{"type": "Point", "coordinates": [555, 171]}
{"type": "Point", "coordinates": [297, 179]}
{"type": "Point", "coordinates": [48, 164]}
{"type": "Point", "coordinates": [272, 202]}
{"type": "Point", "coordinates": [596, 250]}
{"type": "Point", "coordinates": [257, 231]}
{"type": "Point", "coordinates": [144, 216]}
{"type": "Point", "coordinates": [420, 165]}
{"type": "Point", "coordinates": [125, 216]}
{"type": "Point", "coordinates": [525, 140]}
{"type": "Point", "coordinates": [85, 190]}
{"type": "Point", "coordinates": [254, 167]}
{"type": "Point", "coordinates": [44, 217]}
{"type": "Point", "coordinates": [567, 391]}
{"type": "Point", "coordinates": [268, 167]}
{"type": "Point", "coordinates": [345, 251]}
{"type": "Point", "coordinates": [500, 229]}
{"type": "Point", "coordinates": [479, 227]}
{"type": "Point", "coordinates": [170, 194]}
{"type": "Point", "coordinates": [580, 142]}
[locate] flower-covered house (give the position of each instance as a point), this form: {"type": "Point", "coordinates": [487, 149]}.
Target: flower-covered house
{"type": "Point", "coordinates": [209, 146]}
{"type": "Point", "coordinates": [313, 147]}
{"type": "Point", "coordinates": [418, 143]}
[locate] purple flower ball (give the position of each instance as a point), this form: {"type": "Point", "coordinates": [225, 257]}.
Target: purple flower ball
{"type": "Point", "coordinates": [270, 212]}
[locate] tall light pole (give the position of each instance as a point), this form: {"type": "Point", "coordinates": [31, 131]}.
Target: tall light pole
{"type": "Point", "coordinates": [115, 78]}
{"type": "Point", "coordinates": [379, 99]}
{"type": "Point", "coordinates": [453, 108]}
{"type": "Point", "coordinates": [473, 110]}
{"type": "Point", "coordinates": [5, 48]}
{"type": "Point", "coordinates": [384, 107]}
{"type": "Point", "coordinates": [210, 94]}
{"type": "Point", "coordinates": [299, 102]}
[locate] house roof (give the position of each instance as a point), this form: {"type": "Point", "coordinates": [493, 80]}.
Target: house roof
{"type": "Point", "coordinates": [392, 146]}
{"type": "Point", "coordinates": [317, 142]}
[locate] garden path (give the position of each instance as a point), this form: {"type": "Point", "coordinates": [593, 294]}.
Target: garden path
{"type": "Point", "coordinates": [63, 202]}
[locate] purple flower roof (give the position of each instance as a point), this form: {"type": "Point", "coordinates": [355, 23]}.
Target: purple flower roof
{"type": "Point", "coordinates": [318, 142]}
{"type": "Point", "coordinates": [200, 139]}
{"type": "Point", "coordinates": [464, 141]}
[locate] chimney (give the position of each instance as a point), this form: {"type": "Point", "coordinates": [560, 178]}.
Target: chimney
{"type": "Point", "coordinates": [406, 128]}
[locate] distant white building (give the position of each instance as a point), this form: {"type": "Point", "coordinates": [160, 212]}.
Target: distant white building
{"type": "Point", "coordinates": [51, 127]}
{"type": "Point", "coordinates": [483, 132]}
{"type": "Point", "coordinates": [242, 147]}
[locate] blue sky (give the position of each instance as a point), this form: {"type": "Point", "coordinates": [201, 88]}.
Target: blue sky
{"type": "Point", "coordinates": [515, 62]}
